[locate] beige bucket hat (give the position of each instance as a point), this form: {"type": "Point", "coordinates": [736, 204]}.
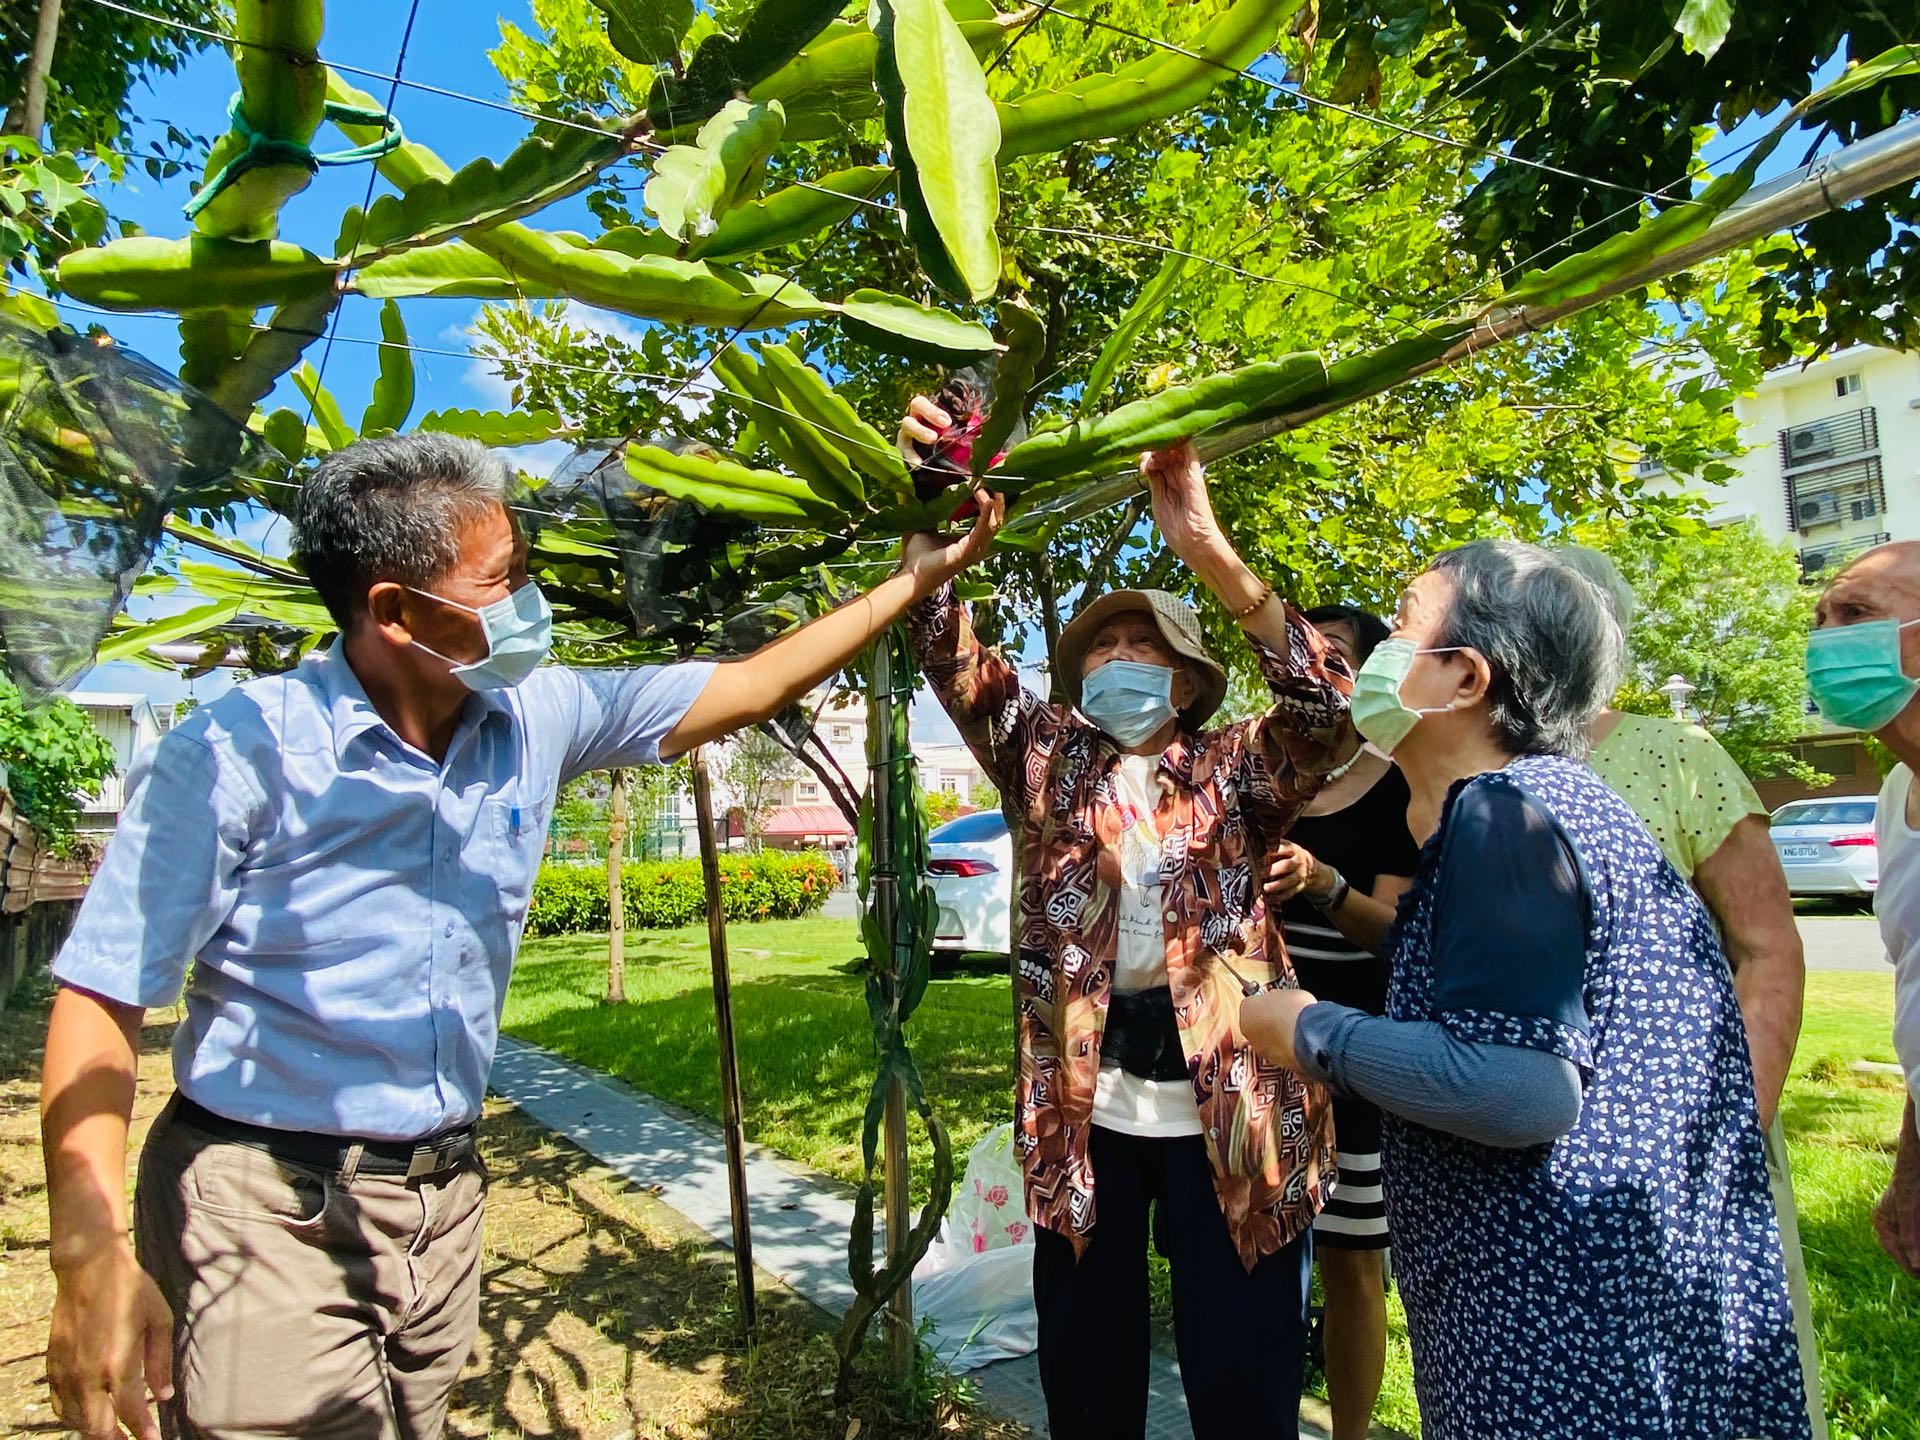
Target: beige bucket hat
{"type": "Point", "coordinates": [1178, 625]}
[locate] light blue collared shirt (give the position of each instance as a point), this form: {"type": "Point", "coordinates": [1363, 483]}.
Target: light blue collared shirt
{"type": "Point", "coordinates": [352, 909]}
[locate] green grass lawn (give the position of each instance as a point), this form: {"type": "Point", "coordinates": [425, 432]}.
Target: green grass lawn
{"type": "Point", "coordinates": [806, 1066]}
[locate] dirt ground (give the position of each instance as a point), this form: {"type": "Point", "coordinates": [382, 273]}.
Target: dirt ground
{"type": "Point", "coordinates": [605, 1315]}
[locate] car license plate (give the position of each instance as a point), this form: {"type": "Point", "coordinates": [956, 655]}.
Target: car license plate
{"type": "Point", "coordinates": [1800, 852]}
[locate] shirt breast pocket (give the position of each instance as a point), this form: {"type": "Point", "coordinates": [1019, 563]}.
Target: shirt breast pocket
{"type": "Point", "coordinates": [518, 830]}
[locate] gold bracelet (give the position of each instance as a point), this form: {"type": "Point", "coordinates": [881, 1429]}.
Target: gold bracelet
{"type": "Point", "coordinates": [1266, 594]}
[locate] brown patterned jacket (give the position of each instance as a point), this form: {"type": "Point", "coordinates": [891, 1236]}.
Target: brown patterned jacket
{"type": "Point", "coordinates": [1225, 797]}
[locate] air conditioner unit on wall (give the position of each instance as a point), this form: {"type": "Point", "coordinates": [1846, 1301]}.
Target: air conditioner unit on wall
{"type": "Point", "coordinates": [1813, 561]}
{"type": "Point", "coordinates": [1810, 442]}
{"type": "Point", "coordinates": [1817, 510]}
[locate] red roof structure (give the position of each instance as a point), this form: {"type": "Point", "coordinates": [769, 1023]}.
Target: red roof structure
{"type": "Point", "coordinates": [804, 822]}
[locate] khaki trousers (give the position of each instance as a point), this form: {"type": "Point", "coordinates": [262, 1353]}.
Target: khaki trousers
{"type": "Point", "coordinates": [309, 1303]}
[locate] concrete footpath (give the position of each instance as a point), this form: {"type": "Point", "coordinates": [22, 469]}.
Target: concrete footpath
{"type": "Point", "coordinates": [1843, 942]}
{"type": "Point", "coordinates": [800, 1225]}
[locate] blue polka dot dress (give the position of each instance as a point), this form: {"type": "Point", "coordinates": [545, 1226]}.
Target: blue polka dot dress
{"type": "Point", "coordinates": [1625, 1280]}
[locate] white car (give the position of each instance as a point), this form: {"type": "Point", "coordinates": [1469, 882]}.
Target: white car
{"type": "Point", "coordinates": [1827, 846]}
{"type": "Point", "coordinates": [971, 867]}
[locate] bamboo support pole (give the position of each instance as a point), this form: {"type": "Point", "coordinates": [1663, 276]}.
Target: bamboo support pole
{"type": "Point", "coordinates": [723, 1026]}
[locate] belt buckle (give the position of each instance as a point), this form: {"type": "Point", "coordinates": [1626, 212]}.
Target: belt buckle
{"type": "Point", "coordinates": [431, 1159]}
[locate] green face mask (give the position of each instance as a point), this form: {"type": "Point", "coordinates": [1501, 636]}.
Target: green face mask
{"type": "Point", "coordinates": [1854, 673]}
{"type": "Point", "coordinates": [1379, 714]}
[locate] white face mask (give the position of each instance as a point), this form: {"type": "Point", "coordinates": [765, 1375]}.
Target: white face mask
{"type": "Point", "coordinates": [519, 631]}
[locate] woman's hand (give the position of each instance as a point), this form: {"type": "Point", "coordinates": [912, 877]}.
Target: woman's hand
{"type": "Point", "coordinates": [921, 425]}
{"type": "Point", "coordinates": [1269, 1020]}
{"type": "Point", "coordinates": [1294, 871]}
{"type": "Point", "coordinates": [931, 559]}
{"type": "Point", "coordinates": [1182, 509]}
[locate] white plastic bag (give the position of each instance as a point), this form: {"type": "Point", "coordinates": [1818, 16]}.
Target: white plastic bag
{"type": "Point", "coordinates": [974, 1288]}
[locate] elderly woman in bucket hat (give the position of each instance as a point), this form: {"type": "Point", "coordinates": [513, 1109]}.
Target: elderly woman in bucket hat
{"type": "Point", "coordinates": [1141, 928]}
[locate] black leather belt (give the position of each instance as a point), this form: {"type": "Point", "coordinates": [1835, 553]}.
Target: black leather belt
{"type": "Point", "coordinates": [411, 1158]}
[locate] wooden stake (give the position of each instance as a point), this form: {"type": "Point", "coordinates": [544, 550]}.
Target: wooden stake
{"type": "Point", "coordinates": [723, 1027]}
{"type": "Point", "coordinates": [616, 890]}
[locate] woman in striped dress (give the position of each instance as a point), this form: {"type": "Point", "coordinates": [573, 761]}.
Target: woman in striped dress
{"type": "Point", "coordinates": [1337, 877]}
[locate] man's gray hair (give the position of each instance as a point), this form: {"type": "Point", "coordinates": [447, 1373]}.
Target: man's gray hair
{"type": "Point", "coordinates": [392, 509]}
{"type": "Point", "coordinates": [1598, 567]}
{"type": "Point", "coordinates": [1547, 631]}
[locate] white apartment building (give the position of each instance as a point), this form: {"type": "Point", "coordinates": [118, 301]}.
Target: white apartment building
{"type": "Point", "coordinates": [1830, 455]}
{"type": "Point", "coordinates": [1830, 461]}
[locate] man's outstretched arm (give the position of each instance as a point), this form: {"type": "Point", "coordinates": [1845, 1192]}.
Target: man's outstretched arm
{"type": "Point", "coordinates": [745, 692]}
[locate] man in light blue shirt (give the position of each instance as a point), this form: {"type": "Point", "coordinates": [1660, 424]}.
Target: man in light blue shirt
{"type": "Point", "coordinates": [337, 863]}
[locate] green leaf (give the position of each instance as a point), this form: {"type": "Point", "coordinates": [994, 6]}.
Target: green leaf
{"type": "Point", "coordinates": [1890, 64]}
{"type": "Point", "coordinates": [1025, 334]}
{"type": "Point", "coordinates": [905, 327]}
{"type": "Point", "coordinates": [802, 387]}
{"type": "Point", "coordinates": [793, 213]}
{"type": "Point", "coordinates": [57, 192]}
{"type": "Point", "coordinates": [1148, 306]}
{"type": "Point", "coordinates": [647, 32]}
{"type": "Point", "coordinates": [725, 65]}
{"type": "Point", "coordinates": [692, 185]}
{"type": "Point", "coordinates": [1703, 24]}
{"type": "Point", "coordinates": [1098, 107]}
{"type": "Point", "coordinates": [789, 433]}
{"type": "Point", "coordinates": [537, 173]}
{"type": "Point", "coordinates": [326, 410]}
{"type": "Point", "coordinates": [287, 433]}
{"type": "Point", "coordinates": [492, 427]}
{"type": "Point", "coordinates": [725, 487]}
{"type": "Point", "coordinates": [393, 389]}
{"type": "Point", "coordinates": [453, 268]}
{"type": "Point", "coordinates": [949, 130]}
{"type": "Point", "coordinates": [652, 287]}
{"type": "Point", "coordinates": [123, 644]}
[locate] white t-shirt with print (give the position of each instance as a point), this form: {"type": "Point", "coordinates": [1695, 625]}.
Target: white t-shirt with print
{"type": "Point", "coordinates": [1155, 1109]}
{"type": "Point", "coordinates": [1897, 906]}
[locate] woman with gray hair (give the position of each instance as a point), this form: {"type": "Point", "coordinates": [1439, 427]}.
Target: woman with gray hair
{"type": "Point", "coordinates": [1582, 1229]}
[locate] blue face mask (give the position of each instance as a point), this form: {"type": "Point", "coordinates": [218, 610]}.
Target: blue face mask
{"type": "Point", "coordinates": [1854, 673]}
{"type": "Point", "coordinates": [519, 630]}
{"type": "Point", "coordinates": [1128, 701]}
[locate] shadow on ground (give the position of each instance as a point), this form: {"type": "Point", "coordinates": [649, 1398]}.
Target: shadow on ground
{"type": "Point", "coordinates": [603, 1314]}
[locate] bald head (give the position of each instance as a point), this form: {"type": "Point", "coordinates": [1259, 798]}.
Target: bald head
{"type": "Point", "coordinates": [1883, 584]}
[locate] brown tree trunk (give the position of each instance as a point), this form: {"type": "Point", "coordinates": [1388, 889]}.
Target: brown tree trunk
{"type": "Point", "coordinates": [27, 115]}
{"type": "Point", "coordinates": [616, 893]}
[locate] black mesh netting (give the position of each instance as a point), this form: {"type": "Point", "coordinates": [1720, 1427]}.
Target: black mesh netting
{"type": "Point", "coordinates": [96, 447]}
{"type": "Point", "coordinates": [691, 581]}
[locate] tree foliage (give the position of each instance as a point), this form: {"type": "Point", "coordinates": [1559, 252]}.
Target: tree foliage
{"type": "Point", "coordinates": [755, 768]}
{"type": "Point", "coordinates": [1726, 609]}
{"type": "Point", "coordinates": [102, 59]}
{"type": "Point", "coordinates": [53, 755]}
{"type": "Point", "coordinates": [1618, 91]}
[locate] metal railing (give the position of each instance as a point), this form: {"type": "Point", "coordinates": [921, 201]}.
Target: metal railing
{"type": "Point", "coordinates": [1818, 560]}
{"type": "Point", "coordinates": [1823, 442]}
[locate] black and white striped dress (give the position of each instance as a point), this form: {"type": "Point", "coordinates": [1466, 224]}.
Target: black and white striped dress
{"type": "Point", "coordinates": [1363, 841]}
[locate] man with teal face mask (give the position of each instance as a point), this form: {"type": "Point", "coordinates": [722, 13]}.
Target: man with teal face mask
{"type": "Point", "coordinates": [345, 854]}
{"type": "Point", "coordinates": [1861, 662]}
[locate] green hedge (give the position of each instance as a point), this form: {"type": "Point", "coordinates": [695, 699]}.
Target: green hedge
{"type": "Point", "coordinates": [665, 894]}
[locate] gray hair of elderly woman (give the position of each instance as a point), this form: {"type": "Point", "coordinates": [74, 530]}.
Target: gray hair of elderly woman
{"type": "Point", "coordinates": [1548, 634]}
{"type": "Point", "coordinates": [1600, 569]}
